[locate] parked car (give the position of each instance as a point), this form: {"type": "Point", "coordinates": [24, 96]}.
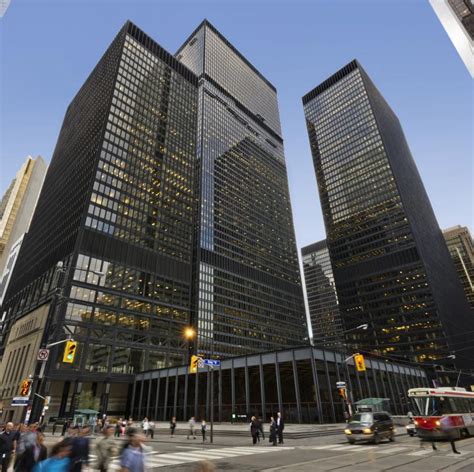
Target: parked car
{"type": "Point", "coordinates": [371, 427]}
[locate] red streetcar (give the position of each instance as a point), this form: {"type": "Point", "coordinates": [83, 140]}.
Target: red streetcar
{"type": "Point", "coordinates": [443, 413]}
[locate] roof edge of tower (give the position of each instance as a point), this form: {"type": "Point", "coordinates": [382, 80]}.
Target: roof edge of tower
{"type": "Point", "coordinates": [333, 79]}
{"type": "Point", "coordinates": [317, 246]}
{"type": "Point", "coordinates": [149, 43]}
{"type": "Point", "coordinates": [207, 23]}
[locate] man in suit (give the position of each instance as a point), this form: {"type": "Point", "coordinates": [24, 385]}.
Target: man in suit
{"type": "Point", "coordinates": [8, 441]}
{"type": "Point", "coordinates": [280, 427]}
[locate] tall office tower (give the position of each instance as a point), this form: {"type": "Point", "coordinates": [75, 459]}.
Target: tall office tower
{"type": "Point", "coordinates": [117, 209]}
{"type": "Point", "coordinates": [248, 294]}
{"type": "Point", "coordinates": [391, 265]}
{"type": "Point", "coordinates": [321, 295]}
{"type": "Point", "coordinates": [461, 248]}
{"type": "Point", "coordinates": [18, 204]}
{"type": "Point", "coordinates": [457, 18]}
{"type": "Point", "coordinates": [16, 211]}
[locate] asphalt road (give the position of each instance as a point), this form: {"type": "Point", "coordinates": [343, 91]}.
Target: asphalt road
{"type": "Point", "coordinates": [312, 454]}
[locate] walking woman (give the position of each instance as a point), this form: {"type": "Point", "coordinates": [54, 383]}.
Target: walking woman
{"type": "Point", "coordinates": [173, 425]}
{"type": "Point", "coordinates": [254, 430]}
{"type": "Point", "coordinates": [273, 431]}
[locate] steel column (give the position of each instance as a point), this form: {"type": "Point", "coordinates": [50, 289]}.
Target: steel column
{"type": "Point", "coordinates": [147, 410]}
{"type": "Point", "coordinates": [297, 387]}
{"type": "Point", "coordinates": [317, 391]}
{"type": "Point", "coordinates": [219, 394]}
{"type": "Point", "coordinates": [175, 400]}
{"type": "Point", "coordinates": [328, 379]}
{"type": "Point", "coordinates": [232, 385]}
{"type": "Point", "coordinates": [186, 383]}
{"type": "Point", "coordinates": [278, 382]}
{"type": "Point", "coordinates": [262, 389]}
{"type": "Point", "coordinates": [165, 401]}
{"type": "Point", "coordinates": [247, 388]}
{"type": "Point", "coordinates": [158, 381]}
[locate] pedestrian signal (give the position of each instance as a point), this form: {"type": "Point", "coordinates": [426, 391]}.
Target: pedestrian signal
{"type": "Point", "coordinates": [342, 393]}
{"type": "Point", "coordinates": [70, 352]}
{"type": "Point", "coordinates": [25, 388]}
{"type": "Point", "coordinates": [193, 366]}
{"type": "Point", "coordinates": [359, 362]}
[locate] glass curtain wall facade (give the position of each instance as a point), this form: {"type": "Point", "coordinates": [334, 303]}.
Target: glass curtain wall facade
{"type": "Point", "coordinates": [118, 209]}
{"type": "Point", "coordinates": [391, 265]}
{"type": "Point", "coordinates": [321, 294]}
{"type": "Point", "coordinates": [248, 294]}
{"type": "Point", "coordinates": [300, 383]}
{"type": "Point", "coordinates": [461, 248]}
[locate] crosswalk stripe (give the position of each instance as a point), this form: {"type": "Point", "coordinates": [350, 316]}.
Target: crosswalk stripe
{"type": "Point", "coordinates": [216, 454]}
{"type": "Point", "coordinates": [423, 452]}
{"type": "Point", "coordinates": [155, 459]}
{"type": "Point", "coordinates": [391, 450]}
{"type": "Point", "coordinates": [328, 447]}
{"type": "Point", "coordinates": [350, 448]}
{"type": "Point", "coordinates": [462, 453]}
{"type": "Point", "coordinates": [344, 447]}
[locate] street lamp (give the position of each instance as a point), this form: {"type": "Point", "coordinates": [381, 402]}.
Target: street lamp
{"type": "Point", "coordinates": [190, 334]}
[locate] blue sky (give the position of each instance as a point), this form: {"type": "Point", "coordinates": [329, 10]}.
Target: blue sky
{"type": "Point", "coordinates": [49, 47]}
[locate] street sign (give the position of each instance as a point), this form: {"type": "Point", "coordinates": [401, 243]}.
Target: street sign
{"type": "Point", "coordinates": [20, 401]}
{"type": "Point", "coordinates": [43, 355]}
{"type": "Point", "coordinates": [340, 384]}
{"type": "Point", "coordinates": [212, 362]}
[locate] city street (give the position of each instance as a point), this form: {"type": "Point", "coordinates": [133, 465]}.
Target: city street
{"type": "Point", "coordinates": [309, 454]}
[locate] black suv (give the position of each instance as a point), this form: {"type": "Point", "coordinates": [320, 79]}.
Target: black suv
{"type": "Point", "coordinates": [370, 427]}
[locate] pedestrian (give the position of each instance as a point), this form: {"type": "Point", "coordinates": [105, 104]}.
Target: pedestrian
{"type": "Point", "coordinates": [59, 460]}
{"type": "Point", "coordinates": [173, 425]}
{"type": "Point", "coordinates": [105, 449]}
{"type": "Point", "coordinates": [254, 429]}
{"type": "Point", "coordinates": [26, 440]}
{"type": "Point", "coordinates": [118, 428]}
{"type": "Point", "coordinates": [192, 425]}
{"type": "Point", "coordinates": [260, 428]}
{"type": "Point", "coordinates": [80, 445]}
{"type": "Point", "coordinates": [8, 440]}
{"type": "Point", "coordinates": [55, 425]}
{"type": "Point", "coordinates": [203, 430]}
{"type": "Point", "coordinates": [133, 458]}
{"type": "Point", "coordinates": [98, 426]}
{"type": "Point", "coordinates": [145, 426]}
{"type": "Point", "coordinates": [151, 429]}
{"type": "Point", "coordinates": [32, 455]}
{"type": "Point", "coordinates": [273, 431]}
{"type": "Point", "coordinates": [280, 427]}
{"type": "Point", "coordinates": [66, 425]}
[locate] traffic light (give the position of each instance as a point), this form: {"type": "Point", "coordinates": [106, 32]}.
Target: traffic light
{"type": "Point", "coordinates": [25, 388]}
{"type": "Point", "coordinates": [359, 362]}
{"type": "Point", "coordinates": [70, 352]}
{"type": "Point", "coordinates": [193, 366]}
{"type": "Point", "coordinates": [342, 393]}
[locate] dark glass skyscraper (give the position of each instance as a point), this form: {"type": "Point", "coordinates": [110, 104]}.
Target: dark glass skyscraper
{"type": "Point", "coordinates": [321, 294]}
{"type": "Point", "coordinates": [461, 248]}
{"type": "Point", "coordinates": [117, 208]}
{"type": "Point", "coordinates": [248, 294]}
{"type": "Point", "coordinates": [391, 265]}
